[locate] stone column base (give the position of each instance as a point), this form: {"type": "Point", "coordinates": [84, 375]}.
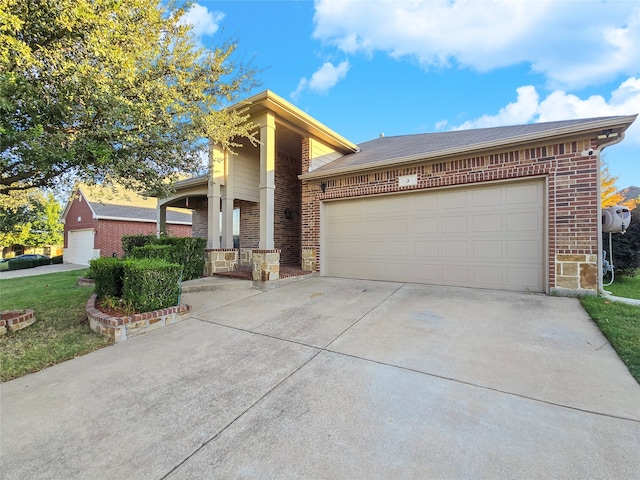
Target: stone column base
{"type": "Point", "coordinates": [246, 257]}
{"type": "Point", "coordinates": [577, 272]}
{"type": "Point", "coordinates": [309, 261]}
{"type": "Point", "coordinates": [218, 260]}
{"type": "Point", "coordinates": [266, 265]}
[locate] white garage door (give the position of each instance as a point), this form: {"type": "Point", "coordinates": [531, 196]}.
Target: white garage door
{"type": "Point", "coordinates": [80, 247]}
{"type": "Point", "coordinates": [483, 237]}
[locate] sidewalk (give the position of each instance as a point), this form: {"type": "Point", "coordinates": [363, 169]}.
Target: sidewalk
{"type": "Point", "coordinates": [41, 270]}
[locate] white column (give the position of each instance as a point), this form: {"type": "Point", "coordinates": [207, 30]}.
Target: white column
{"type": "Point", "coordinates": [161, 219]}
{"type": "Point", "coordinates": [227, 203]}
{"type": "Point", "coordinates": [213, 197]}
{"type": "Point", "coordinates": [267, 180]}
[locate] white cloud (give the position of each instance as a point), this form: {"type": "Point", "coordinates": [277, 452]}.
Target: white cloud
{"type": "Point", "coordinates": [325, 78]}
{"type": "Point", "coordinates": [573, 43]}
{"type": "Point", "coordinates": [559, 105]}
{"type": "Point", "coordinates": [203, 22]}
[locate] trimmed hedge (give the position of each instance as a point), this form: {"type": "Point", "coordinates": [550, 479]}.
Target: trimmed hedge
{"type": "Point", "coordinates": [21, 264]}
{"type": "Point", "coordinates": [44, 261]}
{"type": "Point", "coordinates": [107, 273]}
{"type": "Point", "coordinates": [150, 283]}
{"type": "Point", "coordinates": [56, 260]}
{"type": "Point", "coordinates": [129, 242]}
{"type": "Point", "coordinates": [163, 252]}
{"type": "Point", "coordinates": [189, 252]}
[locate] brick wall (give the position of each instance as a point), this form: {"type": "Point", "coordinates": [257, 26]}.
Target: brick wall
{"type": "Point", "coordinates": [249, 223]}
{"type": "Point", "coordinates": [286, 231]}
{"type": "Point", "coordinates": [199, 218]}
{"type": "Point", "coordinates": [572, 196]}
{"type": "Point", "coordinates": [109, 234]}
{"type": "Point", "coordinates": [80, 216]}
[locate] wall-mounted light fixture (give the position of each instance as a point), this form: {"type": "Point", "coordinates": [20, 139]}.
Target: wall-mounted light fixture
{"type": "Point", "coordinates": [323, 186]}
{"type": "Point", "coordinates": [288, 214]}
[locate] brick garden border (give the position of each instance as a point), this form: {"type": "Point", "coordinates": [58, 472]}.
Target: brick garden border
{"type": "Point", "coordinates": [26, 318]}
{"type": "Point", "coordinates": [119, 329]}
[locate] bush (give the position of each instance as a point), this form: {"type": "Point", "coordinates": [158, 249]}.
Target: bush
{"type": "Point", "coordinates": [626, 247]}
{"type": "Point", "coordinates": [107, 275]}
{"type": "Point", "coordinates": [56, 260]}
{"type": "Point", "coordinates": [163, 252]}
{"type": "Point", "coordinates": [44, 261]}
{"type": "Point", "coordinates": [189, 252]}
{"type": "Point", "coordinates": [129, 242]}
{"type": "Point", "coordinates": [4, 266]}
{"type": "Point", "coordinates": [150, 284]}
{"type": "Point", "coordinates": [21, 264]}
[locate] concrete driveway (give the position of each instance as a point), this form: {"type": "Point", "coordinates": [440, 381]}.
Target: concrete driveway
{"type": "Point", "coordinates": [337, 379]}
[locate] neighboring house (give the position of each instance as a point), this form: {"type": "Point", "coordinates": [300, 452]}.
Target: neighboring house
{"type": "Point", "coordinates": [511, 208]}
{"type": "Point", "coordinates": [96, 218]}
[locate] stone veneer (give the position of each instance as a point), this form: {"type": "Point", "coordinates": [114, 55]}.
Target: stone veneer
{"type": "Point", "coordinates": [219, 260]}
{"type": "Point", "coordinates": [246, 257]}
{"type": "Point", "coordinates": [577, 272]}
{"type": "Point", "coordinates": [309, 261]}
{"type": "Point", "coordinates": [119, 329]}
{"type": "Point", "coordinates": [266, 265]}
{"type": "Point", "coordinates": [10, 322]}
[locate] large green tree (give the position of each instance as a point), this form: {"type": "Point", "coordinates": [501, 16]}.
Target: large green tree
{"type": "Point", "coordinates": [110, 91]}
{"type": "Point", "coordinates": [29, 217]}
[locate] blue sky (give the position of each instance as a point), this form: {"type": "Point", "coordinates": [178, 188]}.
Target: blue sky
{"type": "Point", "coordinates": [403, 67]}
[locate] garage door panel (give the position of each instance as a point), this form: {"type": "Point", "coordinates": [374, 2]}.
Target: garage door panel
{"type": "Point", "coordinates": [80, 247]}
{"type": "Point", "coordinates": [426, 225]}
{"type": "Point", "coordinates": [480, 236]}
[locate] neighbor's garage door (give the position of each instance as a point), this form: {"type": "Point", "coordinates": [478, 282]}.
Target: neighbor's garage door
{"type": "Point", "coordinates": [483, 237]}
{"type": "Point", "coordinates": [80, 247]}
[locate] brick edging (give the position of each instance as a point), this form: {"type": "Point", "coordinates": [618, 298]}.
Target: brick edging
{"type": "Point", "coordinates": [122, 328]}
{"type": "Point", "coordinates": [28, 317]}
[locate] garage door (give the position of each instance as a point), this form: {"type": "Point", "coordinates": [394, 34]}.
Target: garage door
{"type": "Point", "coordinates": [482, 237]}
{"type": "Point", "coordinates": [80, 247]}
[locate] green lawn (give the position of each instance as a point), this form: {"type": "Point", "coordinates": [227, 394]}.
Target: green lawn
{"type": "Point", "coordinates": [60, 331]}
{"type": "Point", "coordinates": [628, 287]}
{"type": "Point", "coordinates": [619, 322]}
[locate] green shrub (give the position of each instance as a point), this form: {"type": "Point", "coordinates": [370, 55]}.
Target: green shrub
{"type": "Point", "coordinates": [44, 261]}
{"type": "Point", "coordinates": [21, 264]}
{"type": "Point", "coordinates": [107, 275]}
{"type": "Point", "coordinates": [131, 241]}
{"type": "Point", "coordinates": [150, 284]}
{"type": "Point", "coordinates": [163, 252]}
{"type": "Point", "coordinates": [56, 260]}
{"type": "Point", "coordinates": [189, 252]}
{"type": "Point", "coordinates": [4, 266]}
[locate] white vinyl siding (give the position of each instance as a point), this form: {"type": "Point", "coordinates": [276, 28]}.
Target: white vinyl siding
{"type": "Point", "coordinates": [320, 154]}
{"type": "Point", "coordinates": [483, 237]}
{"type": "Point", "coordinates": [246, 178]}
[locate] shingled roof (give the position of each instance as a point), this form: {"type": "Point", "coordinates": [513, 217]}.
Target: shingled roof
{"type": "Point", "coordinates": [385, 151]}
{"type": "Point", "coordinates": [106, 211]}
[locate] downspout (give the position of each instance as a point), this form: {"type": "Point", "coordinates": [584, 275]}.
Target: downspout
{"type": "Point", "coordinates": [599, 150]}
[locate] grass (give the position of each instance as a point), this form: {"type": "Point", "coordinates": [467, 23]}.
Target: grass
{"type": "Point", "coordinates": [627, 287]}
{"type": "Point", "coordinates": [60, 332]}
{"type": "Point", "coordinates": [619, 322]}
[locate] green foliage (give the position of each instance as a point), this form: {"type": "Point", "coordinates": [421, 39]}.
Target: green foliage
{"type": "Point", "coordinates": [57, 260]}
{"type": "Point", "coordinates": [22, 264]}
{"type": "Point", "coordinates": [163, 252]}
{"type": "Point", "coordinates": [151, 284]}
{"type": "Point", "coordinates": [30, 218]}
{"type": "Point", "coordinates": [107, 273]}
{"type": "Point", "coordinates": [189, 252]}
{"type": "Point", "coordinates": [129, 242]}
{"type": "Point", "coordinates": [104, 90]}
{"type": "Point", "coordinates": [626, 247]}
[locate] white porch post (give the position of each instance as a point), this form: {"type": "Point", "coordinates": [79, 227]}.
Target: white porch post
{"type": "Point", "coordinates": [227, 203]}
{"type": "Point", "coordinates": [267, 180]}
{"type": "Point", "coordinates": [161, 219]}
{"type": "Point", "coordinates": [216, 177]}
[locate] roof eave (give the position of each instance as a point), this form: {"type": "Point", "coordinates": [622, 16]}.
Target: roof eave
{"type": "Point", "coordinates": [270, 101]}
{"type": "Point", "coordinates": [621, 124]}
